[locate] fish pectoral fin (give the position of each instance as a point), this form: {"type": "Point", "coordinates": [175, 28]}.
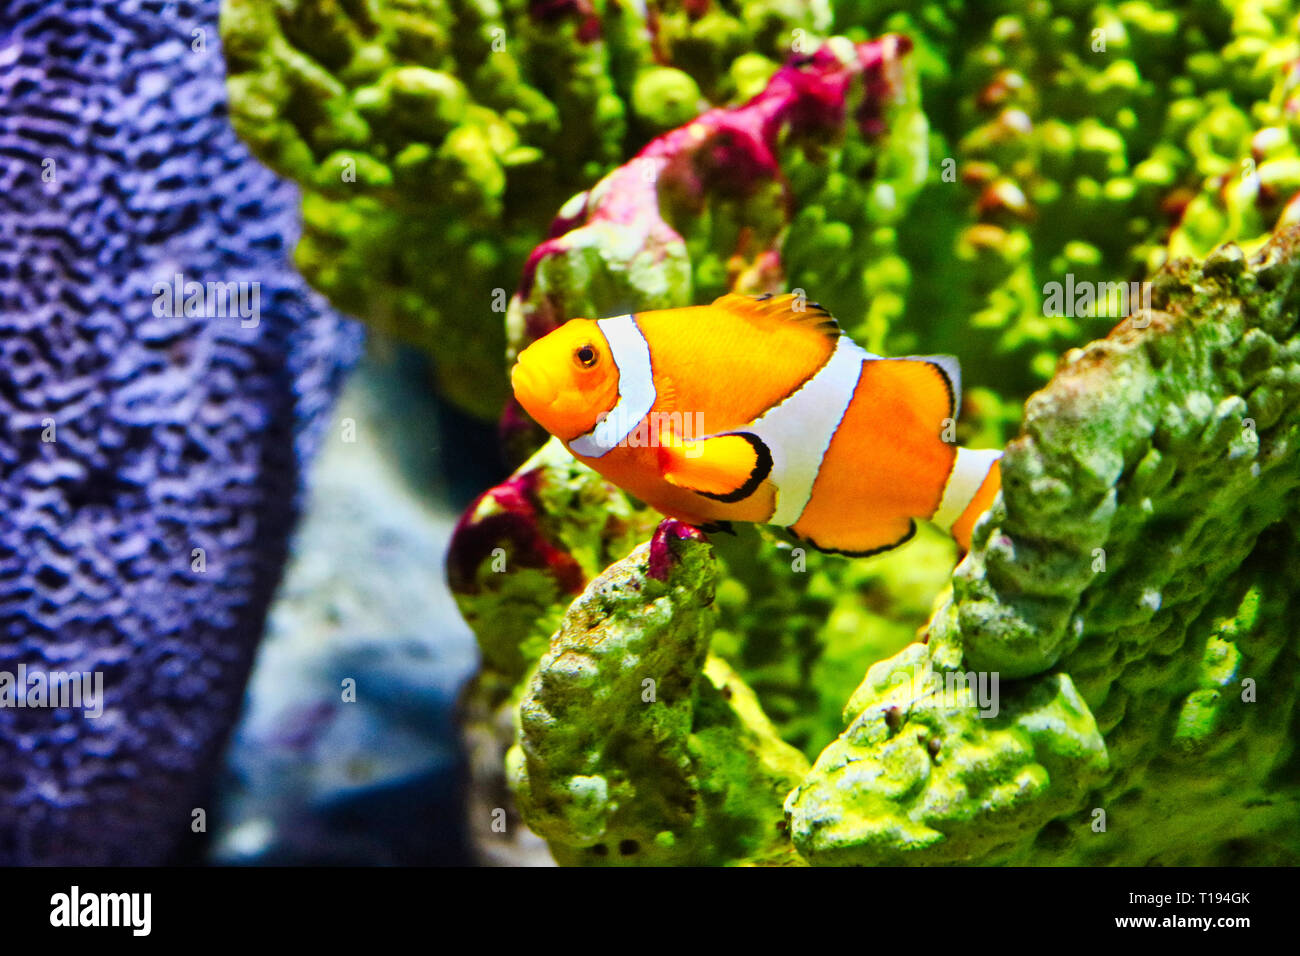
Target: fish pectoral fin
{"type": "Point", "coordinates": [724, 467]}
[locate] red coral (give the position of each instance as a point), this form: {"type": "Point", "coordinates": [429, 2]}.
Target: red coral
{"type": "Point", "coordinates": [514, 525]}
{"type": "Point", "coordinates": [662, 555]}
{"type": "Point", "coordinates": [729, 152]}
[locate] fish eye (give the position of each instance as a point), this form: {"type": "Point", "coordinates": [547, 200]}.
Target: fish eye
{"type": "Point", "coordinates": [586, 356]}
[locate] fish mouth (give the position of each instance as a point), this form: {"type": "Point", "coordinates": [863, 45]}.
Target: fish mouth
{"type": "Point", "coordinates": [531, 387]}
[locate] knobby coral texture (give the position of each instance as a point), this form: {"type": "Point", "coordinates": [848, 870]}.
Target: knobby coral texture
{"type": "Point", "coordinates": [1131, 589]}
{"type": "Point", "coordinates": [150, 458]}
{"type": "Point", "coordinates": [678, 218]}
{"type": "Point", "coordinates": [435, 141]}
{"type": "Point", "coordinates": [1088, 140]}
{"type": "Point", "coordinates": [1128, 588]}
{"type": "Point", "coordinates": [732, 199]}
{"type": "Point", "coordinates": [635, 744]}
{"type": "Point", "coordinates": [1135, 590]}
{"type": "Point", "coordinates": [722, 202]}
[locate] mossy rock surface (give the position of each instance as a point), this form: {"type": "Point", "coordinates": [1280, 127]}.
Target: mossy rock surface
{"type": "Point", "coordinates": [1133, 591]}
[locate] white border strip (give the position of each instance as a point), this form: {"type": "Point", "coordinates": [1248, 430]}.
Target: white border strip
{"type": "Point", "coordinates": [799, 430]}
{"type": "Point", "coordinates": [636, 388]}
{"type": "Point", "coordinates": [969, 469]}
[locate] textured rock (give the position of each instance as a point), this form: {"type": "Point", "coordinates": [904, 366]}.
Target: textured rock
{"type": "Point", "coordinates": [1134, 580]}
{"type": "Point", "coordinates": [921, 775]}
{"type": "Point", "coordinates": [129, 439]}
{"type": "Point", "coordinates": [671, 759]}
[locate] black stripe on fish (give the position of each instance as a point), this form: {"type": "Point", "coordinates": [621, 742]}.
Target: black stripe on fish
{"type": "Point", "coordinates": [911, 531]}
{"type": "Point", "coordinates": [947, 384]}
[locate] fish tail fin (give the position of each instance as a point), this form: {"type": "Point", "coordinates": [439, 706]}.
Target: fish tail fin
{"type": "Point", "coordinates": [972, 484]}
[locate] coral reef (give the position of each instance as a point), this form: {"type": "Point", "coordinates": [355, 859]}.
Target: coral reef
{"type": "Point", "coordinates": [450, 133]}
{"type": "Point", "coordinates": [1132, 589]}
{"type": "Point", "coordinates": [1087, 139]}
{"type": "Point", "coordinates": [680, 203]}
{"type": "Point", "coordinates": [435, 140]}
{"type": "Point", "coordinates": [748, 198]}
{"type": "Point", "coordinates": [529, 546]}
{"type": "Point", "coordinates": [1005, 788]}
{"type": "Point", "coordinates": [1129, 592]}
{"type": "Point", "coordinates": [635, 746]}
{"type": "Point", "coordinates": [150, 464]}
{"type": "Point", "coordinates": [928, 173]}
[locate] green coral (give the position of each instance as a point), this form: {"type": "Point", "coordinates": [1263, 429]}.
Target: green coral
{"type": "Point", "coordinates": [635, 746]}
{"type": "Point", "coordinates": [1080, 138]}
{"type": "Point", "coordinates": [664, 98]}
{"type": "Point", "coordinates": [1110, 681]}
{"type": "Point", "coordinates": [684, 247]}
{"type": "Point", "coordinates": [526, 548]}
{"type": "Point", "coordinates": [1132, 582]}
{"type": "Point", "coordinates": [802, 627]}
{"type": "Point", "coordinates": [434, 140]}
{"type": "Point", "coordinates": [921, 772]}
{"type": "Point", "coordinates": [1131, 588]}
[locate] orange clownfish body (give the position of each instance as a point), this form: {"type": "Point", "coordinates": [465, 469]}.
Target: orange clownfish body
{"type": "Point", "coordinates": [751, 409]}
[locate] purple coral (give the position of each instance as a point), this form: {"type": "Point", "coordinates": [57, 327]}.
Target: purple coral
{"type": "Point", "coordinates": [129, 439]}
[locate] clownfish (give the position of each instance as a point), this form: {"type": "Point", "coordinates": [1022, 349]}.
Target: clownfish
{"type": "Point", "coordinates": [759, 409]}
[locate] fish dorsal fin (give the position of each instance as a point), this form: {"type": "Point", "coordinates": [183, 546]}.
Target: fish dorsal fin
{"type": "Point", "coordinates": [788, 308]}
{"type": "Point", "coordinates": [951, 369]}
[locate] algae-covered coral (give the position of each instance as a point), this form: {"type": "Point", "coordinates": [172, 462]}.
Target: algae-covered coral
{"type": "Point", "coordinates": [435, 140]}
{"type": "Point", "coordinates": [1130, 593]}
{"type": "Point", "coordinates": [656, 229]}
{"type": "Point", "coordinates": [634, 744]}
{"type": "Point", "coordinates": [1133, 591]}
{"type": "Point", "coordinates": [943, 177]}
{"type": "Point", "coordinates": [1094, 140]}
